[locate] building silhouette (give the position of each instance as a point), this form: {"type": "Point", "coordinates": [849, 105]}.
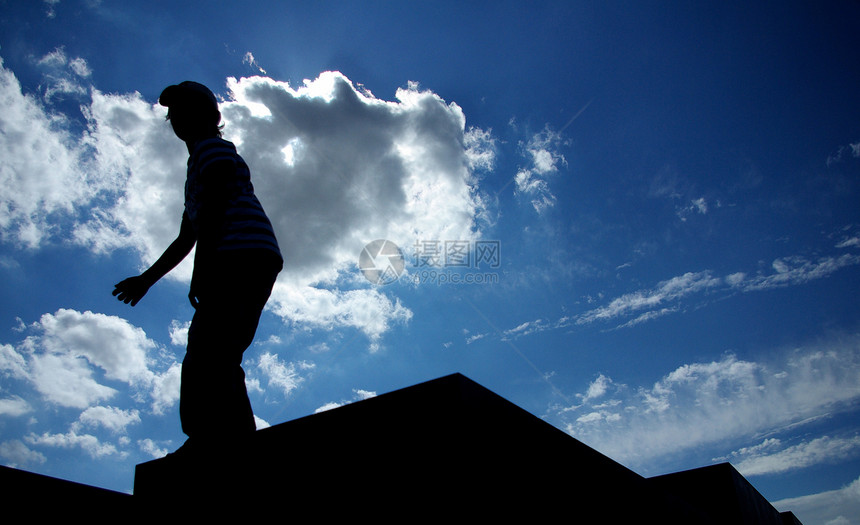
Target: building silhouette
{"type": "Point", "coordinates": [447, 449]}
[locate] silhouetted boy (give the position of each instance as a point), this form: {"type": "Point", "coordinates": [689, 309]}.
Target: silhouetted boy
{"type": "Point", "coordinates": [235, 266]}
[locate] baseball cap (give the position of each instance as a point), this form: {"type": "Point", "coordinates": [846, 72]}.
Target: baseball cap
{"type": "Point", "coordinates": [188, 93]}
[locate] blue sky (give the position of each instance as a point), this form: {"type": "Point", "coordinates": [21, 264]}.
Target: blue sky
{"type": "Point", "coordinates": [663, 197]}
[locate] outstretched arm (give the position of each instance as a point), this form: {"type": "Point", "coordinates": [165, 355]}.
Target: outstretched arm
{"type": "Point", "coordinates": [132, 290]}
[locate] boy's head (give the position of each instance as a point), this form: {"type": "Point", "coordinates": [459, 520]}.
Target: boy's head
{"type": "Point", "coordinates": [192, 110]}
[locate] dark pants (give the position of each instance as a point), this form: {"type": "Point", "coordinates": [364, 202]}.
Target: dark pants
{"type": "Point", "coordinates": [213, 400]}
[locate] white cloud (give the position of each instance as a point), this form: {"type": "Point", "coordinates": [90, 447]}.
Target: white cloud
{"type": "Point", "coordinates": [71, 358]}
{"type": "Point", "coordinates": [261, 423]}
{"type": "Point", "coordinates": [480, 148]}
{"type": "Point", "coordinates": [364, 168]}
{"type": "Point", "coordinates": [328, 406]}
{"type": "Point", "coordinates": [359, 169]}
{"type": "Point", "coordinates": [136, 159]}
{"type": "Point", "coordinates": [106, 342]}
{"type": "Point", "coordinates": [87, 442]}
{"type": "Point", "coordinates": [251, 61]}
{"type": "Point", "coordinates": [12, 363]}
{"type": "Point", "coordinates": [16, 453]}
{"type": "Point", "coordinates": [709, 403]}
{"type": "Point", "coordinates": [597, 388]}
{"type": "Point", "coordinates": [67, 380]}
{"type": "Point", "coordinates": [164, 388]}
{"type": "Point", "coordinates": [368, 310]}
{"type": "Point", "coordinates": [699, 206]}
{"type": "Point", "coordinates": [834, 507]}
{"type": "Point", "coordinates": [542, 153]}
{"type": "Point", "coordinates": [286, 377]}
{"type": "Point", "coordinates": [589, 418]}
{"type": "Point", "coordinates": [114, 419]}
{"type": "Point", "coordinates": [14, 406]}
{"type": "Point", "coordinates": [179, 332]}
{"type": "Point", "coordinates": [358, 395]}
{"type": "Point", "coordinates": [41, 179]}
{"type": "Point", "coordinates": [152, 448]}
{"type": "Point", "coordinates": [361, 394]}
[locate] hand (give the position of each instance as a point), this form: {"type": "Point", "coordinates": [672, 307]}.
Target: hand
{"type": "Point", "coordinates": [131, 290]}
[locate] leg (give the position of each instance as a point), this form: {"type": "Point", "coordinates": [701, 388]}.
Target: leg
{"type": "Point", "coordinates": [214, 402]}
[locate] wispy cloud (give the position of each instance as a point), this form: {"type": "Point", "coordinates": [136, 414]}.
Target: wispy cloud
{"type": "Point", "coordinates": [476, 337]}
{"type": "Point", "coordinates": [834, 507]}
{"type": "Point", "coordinates": [251, 61]}
{"type": "Point", "coordinates": [770, 457]}
{"type": "Point", "coordinates": [529, 327]}
{"type": "Point", "coordinates": [667, 297]}
{"type": "Point", "coordinates": [849, 242]}
{"type": "Point", "coordinates": [699, 206]}
{"type": "Point", "coordinates": [797, 270]}
{"type": "Point", "coordinates": [281, 376]}
{"type": "Point", "coordinates": [853, 150]}
{"type": "Point", "coordinates": [63, 75]}
{"type": "Point", "coordinates": [728, 400]}
{"type": "Point", "coordinates": [667, 291]}
{"type": "Point", "coordinates": [50, 6]}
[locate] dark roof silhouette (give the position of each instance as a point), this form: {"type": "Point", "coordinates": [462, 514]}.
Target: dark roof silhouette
{"type": "Point", "coordinates": [447, 448]}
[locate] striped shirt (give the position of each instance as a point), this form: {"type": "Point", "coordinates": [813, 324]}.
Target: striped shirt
{"type": "Point", "coordinates": [246, 225]}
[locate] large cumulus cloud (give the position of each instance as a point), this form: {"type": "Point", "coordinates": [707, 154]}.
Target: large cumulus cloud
{"type": "Point", "coordinates": [335, 167]}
